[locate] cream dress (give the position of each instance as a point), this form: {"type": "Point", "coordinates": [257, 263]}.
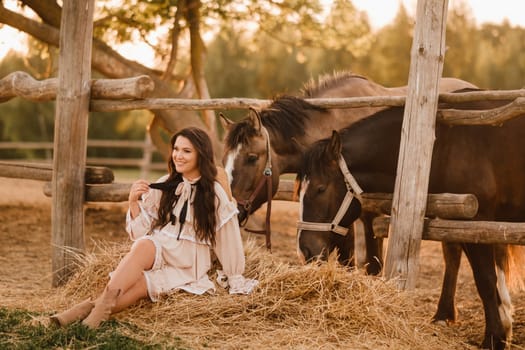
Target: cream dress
{"type": "Point", "coordinates": [182, 261]}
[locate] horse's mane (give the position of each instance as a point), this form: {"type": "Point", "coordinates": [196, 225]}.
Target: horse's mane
{"type": "Point", "coordinates": [313, 156]}
{"type": "Point", "coordinates": [285, 117]}
{"type": "Point", "coordinates": [327, 81]}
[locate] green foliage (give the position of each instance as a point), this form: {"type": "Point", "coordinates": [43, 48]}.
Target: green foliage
{"type": "Point", "coordinates": [389, 57]}
{"type": "Point", "coordinates": [501, 57]}
{"type": "Point", "coordinates": [21, 120]}
{"type": "Point", "coordinates": [461, 53]}
{"type": "Point", "coordinates": [262, 49]}
{"type": "Point", "coordinates": [25, 121]}
{"type": "Point", "coordinates": [20, 330]}
{"type": "Point", "coordinates": [130, 125]}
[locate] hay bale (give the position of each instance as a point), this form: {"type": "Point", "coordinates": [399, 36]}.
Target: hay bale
{"type": "Point", "coordinates": [315, 306]}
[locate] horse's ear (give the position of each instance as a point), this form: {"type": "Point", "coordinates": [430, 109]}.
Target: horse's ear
{"type": "Point", "coordinates": [225, 121]}
{"type": "Point", "coordinates": [335, 147]}
{"type": "Point", "coordinates": [255, 117]}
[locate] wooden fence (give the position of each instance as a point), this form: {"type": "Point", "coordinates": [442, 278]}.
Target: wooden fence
{"type": "Point", "coordinates": [145, 163]}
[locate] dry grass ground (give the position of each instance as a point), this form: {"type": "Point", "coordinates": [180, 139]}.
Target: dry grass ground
{"type": "Point", "coordinates": [295, 307]}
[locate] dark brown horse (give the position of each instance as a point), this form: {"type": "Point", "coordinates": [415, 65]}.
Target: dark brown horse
{"type": "Point", "coordinates": [486, 161]}
{"type": "Point", "coordinates": [279, 134]}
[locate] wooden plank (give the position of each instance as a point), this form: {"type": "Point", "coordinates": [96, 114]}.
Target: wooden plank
{"type": "Point", "coordinates": [417, 141]}
{"type": "Point", "coordinates": [114, 192]}
{"type": "Point", "coordinates": [44, 172]}
{"type": "Point", "coordinates": [70, 139]}
{"type": "Point", "coordinates": [442, 205]}
{"type": "Point", "coordinates": [101, 105]}
{"type": "Point", "coordinates": [23, 85]}
{"type": "Point", "coordinates": [487, 232]}
{"type": "Point", "coordinates": [494, 116]}
{"type": "Point", "coordinates": [90, 143]}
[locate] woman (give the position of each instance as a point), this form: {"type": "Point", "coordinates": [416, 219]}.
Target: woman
{"type": "Point", "coordinates": [173, 224]}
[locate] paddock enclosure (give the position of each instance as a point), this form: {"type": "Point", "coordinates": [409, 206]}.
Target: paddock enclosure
{"type": "Point", "coordinates": [26, 284]}
{"type": "Point", "coordinates": [27, 223]}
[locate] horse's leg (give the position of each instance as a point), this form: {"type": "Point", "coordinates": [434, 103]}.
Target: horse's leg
{"type": "Point", "coordinates": [374, 246]}
{"type": "Point", "coordinates": [446, 310]}
{"type": "Point", "coordinates": [482, 261]}
{"type": "Point", "coordinates": [506, 309]}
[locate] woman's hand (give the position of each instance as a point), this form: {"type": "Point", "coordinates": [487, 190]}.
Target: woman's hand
{"type": "Point", "coordinates": [138, 188]}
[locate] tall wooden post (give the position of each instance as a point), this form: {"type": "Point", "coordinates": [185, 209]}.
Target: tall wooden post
{"type": "Point", "coordinates": [417, 142]}
{"type": "Point", "coordinates": [70, 140]}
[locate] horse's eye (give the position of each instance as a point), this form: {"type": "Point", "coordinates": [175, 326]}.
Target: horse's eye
{"type": "Point", "coordinates": [321, 189]}
{"type": "Point", "coordinates": [252, 157]}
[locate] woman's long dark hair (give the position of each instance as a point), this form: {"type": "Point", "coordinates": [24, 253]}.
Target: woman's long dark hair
{"type": "Point", "coordinates": [204, 204]}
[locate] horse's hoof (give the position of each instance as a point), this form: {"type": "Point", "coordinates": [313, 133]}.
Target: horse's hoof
{"type": "Point", "coordinates": [441, 323]}
{"type": "Point", "coordinates": [493, 343]}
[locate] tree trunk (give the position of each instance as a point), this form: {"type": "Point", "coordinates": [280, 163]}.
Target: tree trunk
{"type": "Point", "coordinates": [112, 65]}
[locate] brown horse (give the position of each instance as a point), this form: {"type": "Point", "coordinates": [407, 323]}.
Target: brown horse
{"type": "Point", "coordinates": [276, 138]}
{"type": "Point", "coordinates": [486, 161]}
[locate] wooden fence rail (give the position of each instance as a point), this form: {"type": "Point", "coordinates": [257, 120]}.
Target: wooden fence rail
{"type": "Point", "coordinates": [100, 105]}
{"type": "Point", "coordinates": [143, 163]}
{"type": "Point", "coordinates": [131, 94]}
{"type": "Point", "coordinates": [460, 231]}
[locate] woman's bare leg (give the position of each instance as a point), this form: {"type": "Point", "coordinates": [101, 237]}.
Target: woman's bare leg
{"type": "Point", "coordinates": [127, 284]}
{"type": "Point", "coordinates": [138, 291]}
{"type": "Point", "coordinates": [131, 268]}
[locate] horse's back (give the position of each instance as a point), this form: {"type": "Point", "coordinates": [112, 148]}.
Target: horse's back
{"type": "Point", "coordinates": [487, 161]}
{"type": "Point", "coordinates": [454, 84]}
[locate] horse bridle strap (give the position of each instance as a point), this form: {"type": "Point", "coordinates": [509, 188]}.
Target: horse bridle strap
{"type": "Point", "coordinates": [352, 190]}
{"type": "Point", "coordinates": [266, 179]}
{"type": "Point", "coordinates": [350, 181]}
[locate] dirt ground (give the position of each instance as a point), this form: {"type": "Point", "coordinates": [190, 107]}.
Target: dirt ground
{"type": "Point", "coordinates": [25, 255]}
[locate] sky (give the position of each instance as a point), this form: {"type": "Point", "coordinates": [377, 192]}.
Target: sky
{"type": "Point", "coordinates": [380, 13]}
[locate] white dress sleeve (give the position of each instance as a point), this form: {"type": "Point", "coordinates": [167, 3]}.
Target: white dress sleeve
{"type": "Point", "coordinates": [149, 206]}
{"type": "Point", "coordinates": [229, 247]}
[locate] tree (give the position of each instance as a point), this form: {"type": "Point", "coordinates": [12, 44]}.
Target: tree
{"type": "Point", "coordinates": [389, 58]}
{"type": "Point", "coordinates": [462, 48]}
{"type": "Point", "coordinates": [501, 62]}
{"type": "Point", "coordinates": [108, 62]}
{"type": "Point", "coordinates": [181, 52]}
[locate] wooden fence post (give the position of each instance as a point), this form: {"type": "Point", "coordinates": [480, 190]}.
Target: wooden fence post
{"type": "Point", "coordinates": [417, 142]}
{"type": "Point", "coordinates": [71, 122]}
{"type": "Point", "coordinates": [147, 155]}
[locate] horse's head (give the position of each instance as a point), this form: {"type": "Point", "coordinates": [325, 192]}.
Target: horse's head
{"type": "Point", "coordinates": [248, 162]}
{"type": "Point", "coordinates": [327, 205]}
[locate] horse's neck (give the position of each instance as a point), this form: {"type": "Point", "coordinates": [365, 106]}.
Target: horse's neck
{"type": "Point", "coordinates": [289, 163]}
{"type": "Point", "coordinates": [321, 125]}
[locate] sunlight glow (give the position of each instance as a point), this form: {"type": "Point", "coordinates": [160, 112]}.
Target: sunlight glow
{"type": "Point", "coordinates": [380, 12]}
{"type": "Point", "coordinates": [12, 40]}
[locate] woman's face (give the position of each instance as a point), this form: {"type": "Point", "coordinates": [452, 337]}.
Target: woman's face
{"type": "Point", "coordinates": [185, 156]}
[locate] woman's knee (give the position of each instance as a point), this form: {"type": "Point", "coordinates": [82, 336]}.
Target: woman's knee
{"type": "Point", "coordinates": [144, 249]}
{"type": "Point", "coordinates": [143, 246]}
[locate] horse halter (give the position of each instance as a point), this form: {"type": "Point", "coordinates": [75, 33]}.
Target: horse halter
{"type": "Point", "coordinates": [265, 179]}
{"type": "Point", "coordinates": [352, 190]}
